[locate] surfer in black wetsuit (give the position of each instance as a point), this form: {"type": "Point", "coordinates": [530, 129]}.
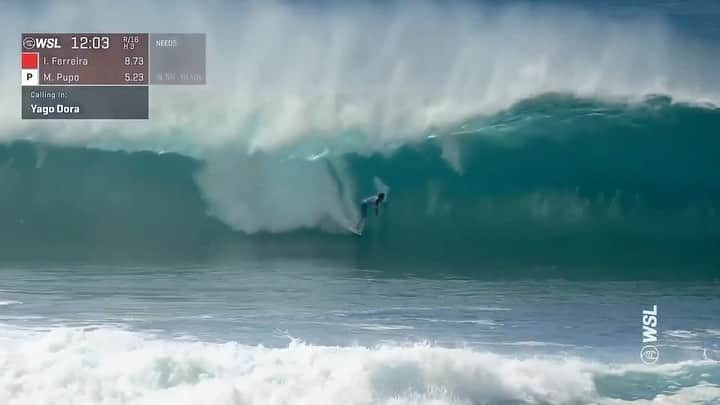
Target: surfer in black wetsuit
{"type": "Point", "coordinates": [375, 201]}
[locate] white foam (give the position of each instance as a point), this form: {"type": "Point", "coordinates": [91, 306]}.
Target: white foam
{"type": "Point", "coordinates": [484, 322]}
{"type": "Point", "coordinates": [110, 366]}
{"type": "Point", "coordinates": [713, 332]}
{"type": "Point", "coordinates": [9, 302]}
{"type": "Point", "coordinates": [377, 326]}
{"type": "Point", "coordinates": [351, 76]}
{"type": "Point", "coordinates": [698, 394]}
{"type": "Point", "coordinates": [258, 194]}
{"type": "Point", "coordinates": [279, 72]}
{"type": "Point", "coordinates": [681, 334]}
{"type": "Point", "coordinates": [116, 367]}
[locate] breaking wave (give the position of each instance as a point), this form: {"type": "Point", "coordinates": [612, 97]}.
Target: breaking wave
{"type": "Point", "coordinates": [110, 366]}
{"type": "Point", "coordinates": [552, 181]}
{"type": "Point", "coordinates": [546, 135]}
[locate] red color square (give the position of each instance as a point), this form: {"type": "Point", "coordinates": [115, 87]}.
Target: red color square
{"type": "Point", "coordinates": [30, 60]}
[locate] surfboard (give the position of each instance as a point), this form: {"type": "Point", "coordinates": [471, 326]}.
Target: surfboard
{"type": "Point", "coordinates": [356, 230]}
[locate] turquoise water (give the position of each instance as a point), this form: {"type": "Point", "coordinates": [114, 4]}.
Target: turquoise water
{"type": "Point", "coordinates": [557, 185]}
{"type": "Point", "coordinates": [515, 271]}
{"type": "Point", "coordinates": [551, 169]}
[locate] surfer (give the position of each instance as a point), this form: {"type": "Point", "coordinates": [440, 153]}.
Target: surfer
{"type": "Point", "coordinates": [375, 201]}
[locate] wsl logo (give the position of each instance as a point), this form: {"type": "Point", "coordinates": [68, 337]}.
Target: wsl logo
{"type": "Point", "coordinates": [649, 353]}
{"type": "Point", "coordinates": [30, 43]}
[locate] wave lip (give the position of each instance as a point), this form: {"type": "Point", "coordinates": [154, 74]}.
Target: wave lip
{"type": "Point", "coordinates": [109, 366]}
{"type": "Point", "coordinates": [391, 71]}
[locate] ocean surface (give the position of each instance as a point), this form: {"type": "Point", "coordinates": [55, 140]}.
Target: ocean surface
{"type": "Point", "coordinates": [296, 331]}
{"type": "Point", "coordinates": [552, 172]}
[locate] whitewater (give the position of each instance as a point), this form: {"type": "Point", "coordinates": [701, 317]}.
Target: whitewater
{"type": "Point", "coordinates": [116, 367]}
{"type": "Point", "coordinates": [302, 332]}
{"type": "Point", "coordinates": [553, 172]}
{"type": "Point", "coordinates": [289, 80]}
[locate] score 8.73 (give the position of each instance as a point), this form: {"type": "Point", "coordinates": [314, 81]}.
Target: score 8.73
{"type": "Point", "coordinates": [134, 60]}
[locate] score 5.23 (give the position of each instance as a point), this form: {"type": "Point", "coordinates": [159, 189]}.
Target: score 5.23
{"type": "Point", "coordinates": [136, 77]}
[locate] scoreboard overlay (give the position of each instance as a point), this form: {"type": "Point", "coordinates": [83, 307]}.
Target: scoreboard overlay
{"type": "Point", "coordinates": [104, 76]}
